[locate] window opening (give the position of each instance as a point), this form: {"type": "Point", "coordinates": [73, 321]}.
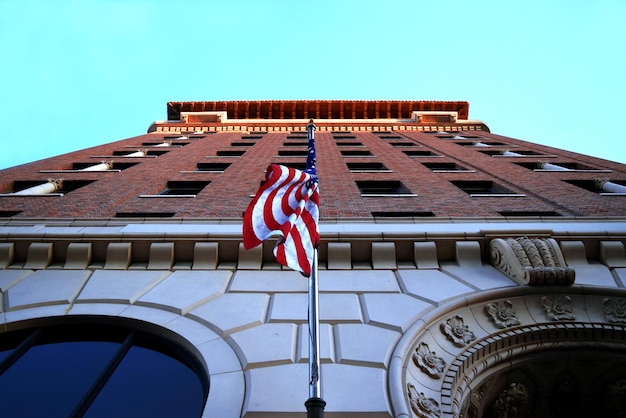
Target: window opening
{"type": "Point", "coordinates": [416, 153]}
{"type": "Point", "coordinates": [355, 153]}
{"type": "Point", "coordinates": [97, 370]}
{"type": "Point", "coordinates": [445, 167]}
{"type": "Point", "coordinates": [477, 188]}
{"type": "Point", "coordinates": [383, 188]}
{"type": "Point", "coordinates": [367, 167]}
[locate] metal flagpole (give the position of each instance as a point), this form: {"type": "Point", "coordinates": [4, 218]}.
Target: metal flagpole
{"type": "Point", "coordinates": [315, 404]}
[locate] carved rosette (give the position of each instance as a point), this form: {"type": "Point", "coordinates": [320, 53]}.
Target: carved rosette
{"type": "Point", "coordinates": [531, 261]}
{"type": "Point", "coordinates": [502, 313]}
{"type": "Point", "coordinates": [455, 329]}
{"type": "Point", "coordinates": [428, 361]}
{"type": "Point", "coordinates": [422, 406]}
{"type": "Point", "coordinates": [615, 310]}
{"type": "Point", "coordinates": [558, 307]}
{"type": "Point", "coordinates": [513, 402]}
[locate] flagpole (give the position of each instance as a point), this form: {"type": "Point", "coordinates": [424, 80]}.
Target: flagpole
{"type": "Point", "coordinates": [315, 404]}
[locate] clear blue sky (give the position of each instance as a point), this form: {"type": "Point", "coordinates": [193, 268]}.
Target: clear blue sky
{"type": "Point", "coordinates": [75, 74]}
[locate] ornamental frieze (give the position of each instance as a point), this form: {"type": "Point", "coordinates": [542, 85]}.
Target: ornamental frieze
{"type": "Point", "coordinates": [531, 261]}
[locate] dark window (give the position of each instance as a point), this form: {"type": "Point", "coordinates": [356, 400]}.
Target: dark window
{"type": "Point", "coordinates": [403, 144]}
{"type": "Point", "coordinates": [183, 137]}
{"type": "Point", "coordinates": [595, 186]}
{"type": "Point", "coordinates": [216, 167]}
{"type": "Point", "coordinates": [97, 370]}
{"type": "Point", "coordinates": [373, 166]}
{"type": "Point", "coordinates": [480, 187]}
{"type": "Point", "coordinates": [511, 153]}
{"type": "Point", "coordinates": [407, 214]}
{"type": "Point", "coordinates": [343, 136]}
{"type": "Point", "coordinates": [443, 167]}
{"type": "Point", "coordinates": [183, 188]}
{"type": "Point", "coordinates": [535, 213]}
{"type": "Point", "coordinates": [242, 144]}
{"type": "Point", "coordinates": [156, 152]}
{"type": "Point", "coordinates": [298, 136]}
{"type": "Point", "coordinates": [416, 153]}
{"type": "Point", "coordinates": [145, 214]}
{"type": "Point", "coordinates": [567, 165]}
{"type": "Point", "coordinates": [66, 185]}
{"type": "Point", "coordinates": [173, 144]}
{"type": "Point", "coordinates": [293, 153]}
{"type": "Point", "coordinates": [355, 153]}
{"type": "Point", "coordinates": [382, 187]}
{"type": "Point", "coordinates": [115, 166]}
{"type": "Point", "coordinates": [9, 213]}
{"type": "Point", "coordinates": [252, 137]}
{"type": "Point", "coordinates": [230, 153]}
{"type": "Point", "coordinates": [473, 144]}
{"type": "Point", "coordinates": [296, 144]}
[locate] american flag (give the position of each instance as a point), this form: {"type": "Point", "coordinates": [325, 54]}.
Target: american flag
{"type": "Point", "coordinates": [286, 205]}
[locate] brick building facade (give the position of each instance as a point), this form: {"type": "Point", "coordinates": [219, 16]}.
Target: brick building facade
{"type": "Point", "coordinates": [433, 230]}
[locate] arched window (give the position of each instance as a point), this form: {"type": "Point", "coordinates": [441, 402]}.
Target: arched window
{"type": "Point", "coordinates": [97, 370]}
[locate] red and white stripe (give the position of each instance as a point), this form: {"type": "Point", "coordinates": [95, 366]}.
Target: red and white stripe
{"type": "Point", "coordinates": [286, 205]}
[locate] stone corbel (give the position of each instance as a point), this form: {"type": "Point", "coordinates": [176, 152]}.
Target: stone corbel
{"type": "Point", "coordinates": [531, 261]}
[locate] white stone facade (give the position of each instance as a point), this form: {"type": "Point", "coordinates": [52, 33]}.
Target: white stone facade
{"type": "Point", "coordinates": [248, 325]}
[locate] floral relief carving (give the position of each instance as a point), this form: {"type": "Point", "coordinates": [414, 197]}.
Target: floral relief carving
{"type": "Point", "coordinates": [615, 310]}
{"type": "Point", "coordinates": [428, 361]}
{"type": "Point", "coordinates": [455, 329]}
{"type": "Point", "coordinates": [502, 313]}
{"type": "Point", "coordinates": [422, 406]}
{"type": "Point", "coordinates": [558, 307]}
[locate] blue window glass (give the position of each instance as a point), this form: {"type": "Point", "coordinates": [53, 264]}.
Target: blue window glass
{"type": "Point", "coordinates": [97, 371]}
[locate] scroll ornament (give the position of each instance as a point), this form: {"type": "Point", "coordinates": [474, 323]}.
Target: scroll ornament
{"type": "Point", "coordinates": [531, 261]}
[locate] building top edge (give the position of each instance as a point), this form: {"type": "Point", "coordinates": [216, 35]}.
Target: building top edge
{"type": "Point", "coordinates": [316, 109]}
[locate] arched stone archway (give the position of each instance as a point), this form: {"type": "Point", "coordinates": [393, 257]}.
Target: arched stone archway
{"type": "Point", "coordinates": [519, 352]}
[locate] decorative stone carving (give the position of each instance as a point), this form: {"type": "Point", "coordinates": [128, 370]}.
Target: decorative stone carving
{"type": "Point", "coordinates": [428, 361]}
{"type": "Point", "coordinates": [422, 406]}
{"type": "Point", "coordinates": [455, 329]}
{"type": "Point", "coordinates": [513, 402]}
{"type": "Point", "coordinates": [531, 261]}
{"type": "Point", "coordinates": [558, 307]}
{"type": "Point", "coordinates": [615, 310]}
{"type": "Point", "coordinates": [615, 399]}
{"type": "Point", "coordinates": [502, 313]}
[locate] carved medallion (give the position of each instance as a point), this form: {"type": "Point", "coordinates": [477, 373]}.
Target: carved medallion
{"type": "Point", "coordinates": [558, 307]}
{"type": "Point", "coordinates": [422, 406]}
{"type": "Point", "coordinates": [615, 310]}
{"type": "Point", "coordinates": [502, 313]}
{"type": "Point", "coordinates": [428, 361]}
{"type": "Point", "coordinates": [455, 329]}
